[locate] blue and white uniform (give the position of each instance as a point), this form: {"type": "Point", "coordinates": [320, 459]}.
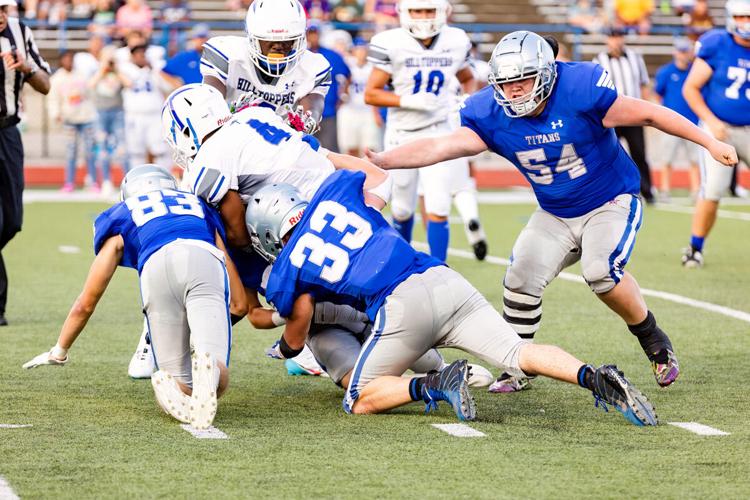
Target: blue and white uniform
{"type": "Point", "coordinates": [345, 250]}
{"type": "Point", "coordinates": [673, 150]}
{"type": "Point", "coordinates": [727, 95]}
{"type": "Point", "coordinates": [169, 237]}
{"type": "Point", "coordinates": [586, 185]}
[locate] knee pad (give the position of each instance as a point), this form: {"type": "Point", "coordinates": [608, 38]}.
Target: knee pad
{"type": "Point", "coordinates": [438, 203]}
{"type": "Point", "coordinates": [600, 276]}
{"type": "Point", "coordinates": [401, 210]}
{"type": "Point", "coordinates": [523, 312]}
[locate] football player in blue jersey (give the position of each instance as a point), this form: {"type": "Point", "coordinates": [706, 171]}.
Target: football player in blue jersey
{"type": "Point", "coordinates": [341, 249]}
{"type": "Point", "coordinates": [555, 122]}
{"type": "Point", "coordinates": [718, 91]}
{"type": "Point", "coordinates": [188, 288]}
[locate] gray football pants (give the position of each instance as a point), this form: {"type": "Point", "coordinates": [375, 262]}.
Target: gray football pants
{"type": "Point", "coordinates": [437, 308]}
{"type": "Point", "coordinates": [185, 293]}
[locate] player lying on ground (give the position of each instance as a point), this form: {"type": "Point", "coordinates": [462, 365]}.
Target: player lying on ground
{"type": "Point", "coordinates": [555, 122]}
{"type": "Point", "coordinates": [343, 250]}
{"type": "Point", "coordinates": [174, 241]}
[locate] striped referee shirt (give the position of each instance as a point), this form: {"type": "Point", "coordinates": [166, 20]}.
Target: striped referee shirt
{"type": "Point", "coordinates": [628, 71]}
{"type": "Point", "coordinates": [17, 36]}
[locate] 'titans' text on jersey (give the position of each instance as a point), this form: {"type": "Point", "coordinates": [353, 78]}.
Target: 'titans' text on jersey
{"type": "Point", "coordinates": [151, 221]}
{"type": "Point", "coordinates": [254, 148]}
{"type": "Point", "coordinates": [727, 93]}
{"type": "Point", "coordinates": [226, 58]}
{"type": "Point", "coordinates": [573, 163]}
{"type": "Point", "coordinates": [415, 68]}
{"type": "Point", "coordinates": [344, 251]}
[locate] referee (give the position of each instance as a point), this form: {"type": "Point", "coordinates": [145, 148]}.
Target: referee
{"type": "Point", "coordinates": [630, 76]}
{"type": "Point", "coordinates": [21, 63]}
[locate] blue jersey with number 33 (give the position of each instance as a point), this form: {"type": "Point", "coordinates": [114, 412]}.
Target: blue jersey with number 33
{"type": "Point", "coordinates": [573, 163]}
{"type": "Point", "coordinates": [343, 251]}
{"type": "Point", "coordinates": [150, 221]}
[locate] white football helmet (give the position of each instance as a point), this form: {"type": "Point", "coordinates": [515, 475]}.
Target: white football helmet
{"type": "Point", "coordinates": [144, 179]}
{"type": "Point", "coordinates": [276, 20]}
{"type": "Point", "coordinates": [738, 8]}
{"type": "Point", "coordinates": [518, 56]}
{"type": "Point", "coordinates": [423, 28]}
{"type": "Point", "coordinates": [273, 211]}
{"type": "Point", "coordinates": [189, 114]}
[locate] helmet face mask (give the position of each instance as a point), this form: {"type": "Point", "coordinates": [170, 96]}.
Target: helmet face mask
{"type": "Point", "coordinates": [189, 114]}
{"type": "Point", "coordinates": [520, 56]}
{"type": "Point", "coordinates": [269, 22]}
{"type": "Point", "coordinates": [738, 9]}
{"type": "Point", "coordinates": [144, 179]}
{"type": "Point", "coordinates": [272, 212]}
{"type": "Point", "coordinates": [423, 26]}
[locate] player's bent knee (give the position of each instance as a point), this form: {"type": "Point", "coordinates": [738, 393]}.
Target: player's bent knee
{"type": "Point", "coordinates": [400, 210]}
{"type": "Point", "coordinates": [600, 276]}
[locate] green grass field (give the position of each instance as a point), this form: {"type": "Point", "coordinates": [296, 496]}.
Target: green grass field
{"type": "Point", "coordinates": [96, 433]}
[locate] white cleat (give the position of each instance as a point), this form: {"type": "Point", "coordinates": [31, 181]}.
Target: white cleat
{"type": "Point", "coordinates": [142, 363]}
{"type": "Point", "coordinates": [170, 397]}
{"type": "Point", "coordinates": [205, 384]}
{"type": "Point", "coordinates": [305, 363]}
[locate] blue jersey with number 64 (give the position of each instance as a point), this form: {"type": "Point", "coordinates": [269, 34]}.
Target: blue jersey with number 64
{"type": "Point", "coordinates": [573, 163]}
{"type": "Point", "coordinates": [343, 251]}
{"type": "Point", "coordinates": [150, 221]}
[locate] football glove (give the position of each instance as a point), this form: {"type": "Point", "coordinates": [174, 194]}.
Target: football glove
{"type": "Point", "coordinates": [46, 358]}
{"type": "Point", "coordinates": [421, 101]}
{"type": "Point", "coordinates": [301, 120]}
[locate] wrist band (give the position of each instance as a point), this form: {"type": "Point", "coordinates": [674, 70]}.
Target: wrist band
{"type": "Point", "coordinates": [287, 351]}
{"type": "Point", "coordinates": [58, 352]}
{"type": "Point", "coordinates": [277, 320]}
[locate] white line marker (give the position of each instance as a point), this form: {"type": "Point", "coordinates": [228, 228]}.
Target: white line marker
{"type": "Point", "coordinates": [6, 492]}
{"type": "Point", "coordinates": [459, 430]}
{"type": "Point", "coordinates": [210, 433]}
{"type": "Point", "coordinates": [672, 297]}
{"type": "Point", "coordinates": [14, 426]}
{"type": "Point", "coordinates": [700, 429]}
{"type": "Point", "coordinates": [722, 214]}
{"type": "Point", "coordinates": [68, 249]}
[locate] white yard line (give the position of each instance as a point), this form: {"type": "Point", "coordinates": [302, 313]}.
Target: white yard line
{"type": "Point", "coordinates": [210, 433]}
{"type": "Point", "coordinates": [70, 249]}
{"type": "Point", "coordinates": [700, 429]}
{"type": "Point", "coordinates": [14, 426]}
{"type": "Point", "coordinates": [671, 297]}
{"type": "Point", "coordinates": [6, 492]}
{"type": "Point", "coordinates": [722, 214]}
{"type": "Point", "coordinates": [459, 430]}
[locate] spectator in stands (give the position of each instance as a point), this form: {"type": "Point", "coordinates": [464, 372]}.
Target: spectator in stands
{"type": "Point", "coordinates": [135, 15]}
{"type": "Point", "coordinates": [683, 7]}
{"type": "Point", "coordinates": [154, 53]}
{"type": "Point", "coordinates": [174, 12]}
{"type": "Point", "coordinates": [184, 67]}
{"type": "Point", "coordinates": [383, 13]}
{"type": "Point", "coordinates": [340, 76]}
{"type": "Point", "coordinates": [700, 20]}
{"type": "Point", "coordinates": [586, 15]}
{"type": "Point", "coordinates": [103, 20]}
{"type": "Point", "coordinates": [669, 81]}
{"type": "Point", "coordinates": [81, 9]}
{"type": "Point", "coordinates": [348, 11]}
{"type": "Point", "coordinates": [72, 106]}
{"type": "Point", "coordinates": [317, 9]}
{"type": "Point", "coordinates": [107, 85]}
{"type": "Point", "coordinates": [634, 14]}
{"type": "Point", "coordinates": [630, 76]}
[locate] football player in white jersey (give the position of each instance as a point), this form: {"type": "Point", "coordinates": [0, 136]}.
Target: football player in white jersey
{"type": "Point", "coordinates": [419, 59]}
{"type": "Point", "coordinates": [271, 64]}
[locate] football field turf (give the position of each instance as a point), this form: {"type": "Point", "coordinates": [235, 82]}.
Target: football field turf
{"type": "Point", "coordinates": [95, 433]}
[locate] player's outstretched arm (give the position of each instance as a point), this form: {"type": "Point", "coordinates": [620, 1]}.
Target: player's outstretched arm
{"type": "Point", "coordinates": [377, 185]}
{"type": "Point", "coordinates": [630, 112]}
{"type": "Point", "coordinates": [297, 326]}
{"type": "Point", "coordinates": [100, 273]}
{"type": "Point", "coordinates": [233, 214]}
{"type": "Point", "coordinates": [424, 152]}
{"type": "Point", "coordinates": [237, 299]}
{"type": "Point", "coordinates": [700, 74]}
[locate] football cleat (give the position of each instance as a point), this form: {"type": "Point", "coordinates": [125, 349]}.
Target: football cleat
{"type": "Point", "coordinates": [692, 259]}
{"type": "Point", "coordinates": [142, 364]}
{"type": "Point", "coordinates": [205, 385]}
{"type": "Point", "coordinates": [304, 363]}
{"type": "Point", "coordinates": [170, 397]}
{"type": "Point", "coordinates": [477, 238]}
{"type": "Point", "coordinates": [450, 384]}
{"type": "Point", "coordinates": [507, 383]}
{"type": "Point", "coordinates": [611, 387]}
{"type": "Point", "coordinates": [666, 373]}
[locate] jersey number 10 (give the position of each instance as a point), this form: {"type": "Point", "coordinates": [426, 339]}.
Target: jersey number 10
{"type": "Point", "coordinates": [435, 81]}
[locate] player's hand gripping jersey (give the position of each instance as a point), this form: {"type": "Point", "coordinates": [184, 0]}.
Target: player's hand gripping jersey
{"type": "Point", "coordinates": [153, 220]}
{"type": "Point", "coordinates": [414, 69]}
{"type": "Point", "coordinates": [727, 92]}
{"type": "Point", "coordinates": [254, 148]}
{"type": "Point", "coordinates": [343, 251]}
{"type": "Point", "coordinates": [573, 163]}
{"type": "Point", "coordinates": [227, 59]}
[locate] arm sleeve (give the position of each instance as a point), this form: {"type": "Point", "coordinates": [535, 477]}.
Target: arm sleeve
{"type": "Point", "coordinates": [469, 120]}
{"type": "Point", "coordinates": [214, 61]}
{"type": "Point", "coordinates": [323, 80]}
{"type": "Point", "coordinates": [172, 67]}
{"type": "Point", "coordinates": [602, 93]}
{"type": "Point", "coordinates": [33, 51]}
{"type": "Point", "coordinates": [208, 183]}
{"type": "Point", "coordinates": [108, 224]}
{"type": "Point", "coordinates": [379, 55]}
{"type": "Point", "coordinates": [706, 49]}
